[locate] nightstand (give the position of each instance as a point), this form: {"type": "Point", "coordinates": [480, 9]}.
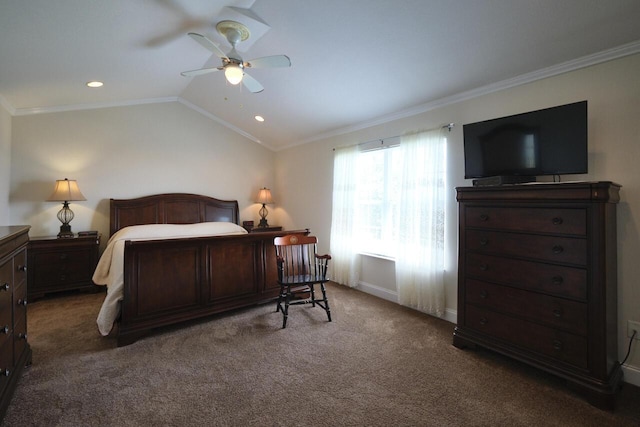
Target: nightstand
{"type": "Point", "coordinates": [261, 229]}
{"type": "Point", "coordinates": [61, 264]}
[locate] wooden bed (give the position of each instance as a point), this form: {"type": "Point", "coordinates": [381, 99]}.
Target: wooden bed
{"type": "Point", "coordinates": [174, 280]}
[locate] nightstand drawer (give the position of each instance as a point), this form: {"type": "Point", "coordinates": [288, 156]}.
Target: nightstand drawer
{"type": "Point", "coordinates": [63, 267]}
{"type": "Point", "coordinates": [61, 264]}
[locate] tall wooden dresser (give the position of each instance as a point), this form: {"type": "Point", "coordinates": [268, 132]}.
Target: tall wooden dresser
{"type": "Point", "coordinates": [15, 351]}
{"type": "Point", "coordinates": [537, 279]}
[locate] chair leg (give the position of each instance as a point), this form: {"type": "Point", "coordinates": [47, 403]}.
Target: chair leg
{"type": "Point", "coordinates": [313, 294]}
{"type": "Point", "coordinates": [279, 302]}
{"type": "Point", "coordinates": [326, 301]}
{"type": "Point", "coordinates": [285, 312]}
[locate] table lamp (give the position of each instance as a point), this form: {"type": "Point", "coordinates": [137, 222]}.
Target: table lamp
{"type": "Point", "coordinates": [66, 191]}
{"type": "Point", "coordinates": [264, 197]}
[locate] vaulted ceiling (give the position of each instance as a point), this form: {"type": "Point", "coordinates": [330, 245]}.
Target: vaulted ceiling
{"type": "Point", "coordinates": [354, 62]}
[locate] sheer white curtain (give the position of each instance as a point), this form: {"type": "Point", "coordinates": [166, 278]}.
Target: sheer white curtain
{"type": "Point", "coordinates": [420, 255]}
{"type": "Point", "coordinates": [345, 260]}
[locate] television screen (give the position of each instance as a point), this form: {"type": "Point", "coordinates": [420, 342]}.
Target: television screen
{"type": "Point", "coordinates": [552, 141]}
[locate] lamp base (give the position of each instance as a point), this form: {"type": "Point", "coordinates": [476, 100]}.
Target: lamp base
{"type": "Point", "coordinates": [65, 232]}
{"type": "Point", "coordinates": [263, 223]}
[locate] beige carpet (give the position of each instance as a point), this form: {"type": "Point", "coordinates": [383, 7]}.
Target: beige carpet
{"type": "Point", "coordinates": [376, 364]}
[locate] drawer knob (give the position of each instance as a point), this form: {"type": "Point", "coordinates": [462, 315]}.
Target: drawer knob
{"type": "Point", "coordinates": [484, 241]}
{"type": "Point", "coordinates": [5, 330]}
{"type": "Point", "coordinates": [484, 294]}
{"type": "Point", "coordinates": [557, 345]}
{"type": "Point", "coordinates": [556, 221]}
{"type": "Point", "coordinates": [5, 287]}
{"type": "Point", "coordinates": [484, 217]}
{"type": "Point", "coordinates": [22, 268]}
{"type": "Point", "coordinates": [484, 321]}
{"type": "Point", "coordinates": [64, 256]}
{"type": "Point", "coordinates": [22, 336]}
{"type": "Point", "coordinates": [22, 302]}
{"type": "Point", "coordinates": [557, 313]}
{"type": "Point", "coordinates": [557, 280]}
{"type": "Point", "coordinates": [557, 249]}
{"type": "Point", "coordinates": [6, 372]}
{"type": "Point", "coordinates": [484, 267]}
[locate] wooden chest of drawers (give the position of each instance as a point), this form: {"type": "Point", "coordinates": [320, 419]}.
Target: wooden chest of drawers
{"type": "Point", "coordinates": [61, 264]}
{"type": "Point", "coordinates": [537, 279]}
{"type": "Point", "coordinates": [15, 351]}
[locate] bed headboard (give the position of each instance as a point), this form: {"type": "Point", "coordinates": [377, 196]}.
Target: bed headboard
{"type": "Point", "coordinates": [170, 208]}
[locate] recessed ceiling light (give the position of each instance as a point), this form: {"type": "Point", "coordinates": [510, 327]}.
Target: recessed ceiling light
{"type": "Point", "coordinates": [94, 84]}
{"type": "Point", "coordinates": [260, 118]}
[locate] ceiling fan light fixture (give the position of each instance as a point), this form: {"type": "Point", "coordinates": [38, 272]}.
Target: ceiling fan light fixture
{"type": "Point", "coordinates": [233, 73]}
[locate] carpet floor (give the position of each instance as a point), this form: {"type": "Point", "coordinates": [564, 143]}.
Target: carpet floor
{"type": "Point", "coordinates": [376, 364]}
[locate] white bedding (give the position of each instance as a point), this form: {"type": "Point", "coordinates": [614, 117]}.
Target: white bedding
{"type": "Point", "coordinates": [110, 269]}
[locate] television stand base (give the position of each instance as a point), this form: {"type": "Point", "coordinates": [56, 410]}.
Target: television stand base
{"type": "Point", "coordinates": [502, 180]}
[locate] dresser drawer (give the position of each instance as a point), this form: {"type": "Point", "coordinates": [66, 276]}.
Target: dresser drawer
{"type": "Point", "coordinates": [567, 250]}
{"type": "Point", "coordinates": [550, 342]}
{"type": "Point", "coordinates": [560, 313]}
{"type": "Point", "coordinates": [538, 220]}
{"type": "Point", "coordinates": [6, 359]}
{"type": "Point", "coordinates": [5, 312]}
{"type": "Point", "coordinates": [20, 305]}
{"type": "Point", "coordinates": [6, 291]}
{"type": "Point", "coordinates": [547, 278]}
{"type": "Point", "coordinates": [19, 339]}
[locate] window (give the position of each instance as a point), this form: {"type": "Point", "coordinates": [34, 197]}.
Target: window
{"type": "Point", "coordinates": [377, 200]}
{"type": "Point", "coordinates": [391, 202]}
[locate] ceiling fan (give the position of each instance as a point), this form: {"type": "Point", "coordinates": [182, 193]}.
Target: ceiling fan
{"type": "Point", "coordinates": [232, 63]}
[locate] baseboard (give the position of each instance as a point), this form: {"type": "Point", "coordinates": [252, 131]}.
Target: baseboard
{"type": "Point", "coordinates": [450, 315]}
{"type": "Point", "coordinates": [631, 375]}
{"type": "Point", "coordinates": [377, 291]}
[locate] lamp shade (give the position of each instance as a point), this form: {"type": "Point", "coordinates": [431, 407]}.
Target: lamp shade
{"type": "Point", "coordinates": [264, 197]}
{"type": "Point", "coordinates": [233, 73]}
{"type": "Point", "coordinates": [66, 191]}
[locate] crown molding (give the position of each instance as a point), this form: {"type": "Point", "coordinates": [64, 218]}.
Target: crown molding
{"type": "Point", "coordinates": [222, 122]}
{"type": "Point", "coordinates": [6, 105]}
{"type": "Point", "coordinates": [79, 107]}
{"type": "Point", "coordinates": [565, 67]}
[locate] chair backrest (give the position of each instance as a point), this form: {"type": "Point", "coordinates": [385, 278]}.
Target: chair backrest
{"type": "Point", "coordinates": [297, 260]}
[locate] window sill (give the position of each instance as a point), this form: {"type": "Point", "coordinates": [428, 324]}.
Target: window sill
{"type": "Point", "coordinates": [379, 256]}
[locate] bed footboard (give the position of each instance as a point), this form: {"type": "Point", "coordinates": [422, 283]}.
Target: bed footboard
{"type": "Point", "coordinates": [171, 281]}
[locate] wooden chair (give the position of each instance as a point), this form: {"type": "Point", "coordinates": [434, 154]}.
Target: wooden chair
{"type": "Point", "coordinates": [300, 268]}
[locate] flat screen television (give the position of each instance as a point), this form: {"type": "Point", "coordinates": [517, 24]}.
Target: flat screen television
{"type": "Point", "coordinates": [517, 148]}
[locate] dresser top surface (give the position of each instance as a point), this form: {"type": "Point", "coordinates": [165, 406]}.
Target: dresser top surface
{"type": "Point", "coordinates": [592, 191]}
{"type": "Point", "coordinates": [10, 231]}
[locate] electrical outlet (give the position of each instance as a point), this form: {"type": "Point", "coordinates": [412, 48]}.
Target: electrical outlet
{"type": "Point", "coordinates": [633, 326]}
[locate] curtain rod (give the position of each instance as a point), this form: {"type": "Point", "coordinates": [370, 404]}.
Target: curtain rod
{"type": "Point", "coordinates": [448, 126]}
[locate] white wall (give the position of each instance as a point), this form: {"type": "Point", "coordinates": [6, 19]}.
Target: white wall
{"type": "Point", "coordinates": [132, 151]}
{"type": "Point", "coordinates": [613, 92]}
{"type": "Point", "coordinates": [128, 152]}
{"type": "Point", "coordinates": [5, 164]}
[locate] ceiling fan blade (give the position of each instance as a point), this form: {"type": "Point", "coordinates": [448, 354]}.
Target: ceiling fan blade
{"type": "Point", "coordinates": [252, 84]}
{"type": "Point", "coordinates": [275, 61]}
{"type": "Point", "coordinates": [200, 71]}
{"type": "Point", "coordinates": [208, 44]}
